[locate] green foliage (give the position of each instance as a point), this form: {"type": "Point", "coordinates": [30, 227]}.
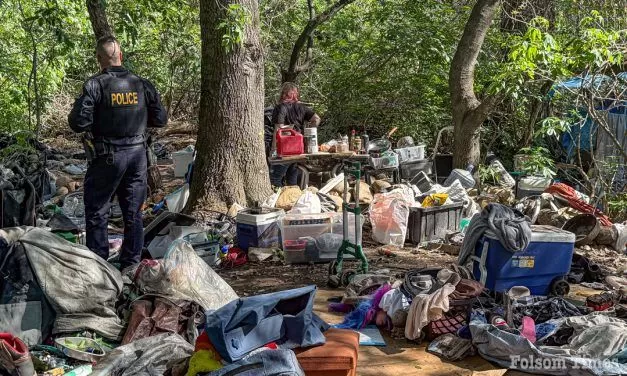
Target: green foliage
{"type": "Point", "coordinates": [232, 27]}
{"type": "Point", "coordinates": [489, 175]}
{"type": "Point", "coordinates": [376, 64]}
{"type": "Point", "coordinates": [617, 207]}
{"type": "Point", "coordinates": [538, 162]}
{"type": "Point", "coordinates": [553, 127]}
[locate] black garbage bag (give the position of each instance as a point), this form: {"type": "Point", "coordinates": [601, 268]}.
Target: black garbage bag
{"type": "Point", "coordinates": [18, 198]}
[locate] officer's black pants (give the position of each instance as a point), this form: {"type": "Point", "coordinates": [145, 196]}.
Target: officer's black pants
{"type": "Point", "coordinates": [124, 176]}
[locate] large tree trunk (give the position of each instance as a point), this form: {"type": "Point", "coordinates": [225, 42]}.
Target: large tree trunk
{"type": "Point", "coordinates": [98, 18]}
{"type": "Point", "coordinates": [468, 111]}
{"type": "Point", "coordinates": [230, 163]}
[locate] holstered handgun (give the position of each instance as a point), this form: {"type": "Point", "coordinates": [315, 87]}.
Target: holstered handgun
{"type": "Point", "coordinates": [88, 145]}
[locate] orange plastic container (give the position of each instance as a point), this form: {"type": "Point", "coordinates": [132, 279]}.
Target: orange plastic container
{"type": "Point", "coordinates": [289, 142]}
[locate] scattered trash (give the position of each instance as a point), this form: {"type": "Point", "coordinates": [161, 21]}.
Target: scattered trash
{"type": "Point", "coordinates": [75, 170]}
{"type": "Point", "coordinates": [490, 272]}
{"type": "Point", "coordinates": [84, 349]}
{"type": "Point", "coordinates": [260, 254]}
{"type": "Point", "coordinates": [181, 274]}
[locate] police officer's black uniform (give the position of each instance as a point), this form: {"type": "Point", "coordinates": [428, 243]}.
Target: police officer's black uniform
{"type": "Point", "coordinates": [117, 107]}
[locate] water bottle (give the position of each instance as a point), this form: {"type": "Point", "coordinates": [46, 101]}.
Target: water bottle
{"type": "Point", "coordinates": [365, 140]}
{"type": "Point", "coordinates": [506, 180]}
{"type": "Point", "coordinates": [74, 208]}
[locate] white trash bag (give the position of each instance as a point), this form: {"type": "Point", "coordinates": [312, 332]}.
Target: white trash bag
{"type": "Point", "coordinates": [389, 215]}
{"type": "Point", "coordinates": [308, 203]}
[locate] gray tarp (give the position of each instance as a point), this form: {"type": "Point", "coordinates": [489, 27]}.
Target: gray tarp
{"type": "Point", "coordinates": [149, 356]}
{"type": "Point", "coordinates": [81, 287]}
{"type": "Point", "coordinates": [586, 354]}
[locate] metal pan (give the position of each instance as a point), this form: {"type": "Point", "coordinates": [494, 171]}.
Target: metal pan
{"type": "Point", "coordinates": [381, 145]}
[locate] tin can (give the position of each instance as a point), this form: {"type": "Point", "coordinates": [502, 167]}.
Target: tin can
{"type": "Point", "coordinates": [357, 145]}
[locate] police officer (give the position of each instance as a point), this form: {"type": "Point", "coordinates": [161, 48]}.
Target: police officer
{"type": "Point", "coordinates": [115, 110]}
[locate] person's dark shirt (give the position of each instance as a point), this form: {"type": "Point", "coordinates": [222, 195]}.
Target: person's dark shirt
{"type": "Point", "coordinates": [118, 106]}
{"type": "Point", "coordinates": [296, 114]}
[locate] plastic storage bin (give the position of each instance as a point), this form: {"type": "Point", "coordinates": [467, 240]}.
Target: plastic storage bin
{"type": "Point", "coordinates": [182, 159]}
{"type": "Point", "coordinates": [259, 230]}
{"type": "Point", "coordinates": [411, 153]}
{"type": "Point", "coordinates": [427, 224]}
{"type": "Point", "coordinates": [546, 260]}
{"type": "Point", "coordinates": [532, 186]}
{"type": "Point", "coordinates": [314, 237]}
{"type": "Point", "coordinates": [422, 181]}
{"type": "Point", "coordinates": [386, 161]}
{"type": "Point", "coordinates": [409, 170]}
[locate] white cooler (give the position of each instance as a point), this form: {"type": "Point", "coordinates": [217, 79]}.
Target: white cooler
{"type": "Point", "coordinates": [532, 186]}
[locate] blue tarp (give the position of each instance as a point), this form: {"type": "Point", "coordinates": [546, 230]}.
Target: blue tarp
{"type": "Point", "coordinates": [582, 134]}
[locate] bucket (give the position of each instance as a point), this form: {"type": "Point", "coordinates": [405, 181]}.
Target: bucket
{"type": "Point", "coordinates": [311, 140]}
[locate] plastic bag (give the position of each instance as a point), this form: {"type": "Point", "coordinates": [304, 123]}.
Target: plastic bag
{"type": "Point", "coordinates": [181, 274]}
{"type": "Point", "coordinates": [308, 203]}
{"type": "Point", "coordinates": [270, 201]}
{"type": "Point", "coordinates": [329, 243]}
{"type": "Point", "coordinates": [176, 200]}
{"type": "Point", "coordinates": [389, 215]}
{"type": "Point", "coordinates": [159, 245]}
{"type": "Point", "coordinates": [621, 240]}
{"type": "Point", "coordinates": [147, 356]}
{"type": "Point", "coordinates": [288, 197]}
{"type": "Point", "coordinates": [457, 193]}
{"type": "Point", "coordinates": [365, 197]}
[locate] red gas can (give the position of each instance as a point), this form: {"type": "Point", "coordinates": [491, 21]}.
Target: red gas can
{"type": "Point", "coordinates": [289, 142]}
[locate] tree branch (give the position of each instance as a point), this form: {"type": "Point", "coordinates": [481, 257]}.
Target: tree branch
{"type": "Point", "coordinates": [461, 77]}
{"type": "Point", "coordinates": [98, 18]}
{"type": "Point", "coordinates": [306, 36]}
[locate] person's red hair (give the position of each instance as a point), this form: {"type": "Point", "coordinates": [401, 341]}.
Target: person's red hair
{"type": "Point", "coordinates": [289, 93]}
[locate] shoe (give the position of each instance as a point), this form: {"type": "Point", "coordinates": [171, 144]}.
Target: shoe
{"type": "Point", "coordinates": [14, 356]}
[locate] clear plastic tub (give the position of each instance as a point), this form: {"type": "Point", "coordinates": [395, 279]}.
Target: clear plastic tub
{"type": "Point", "coordinates": [314, 237]}
{"type": "Point", "coordinates": [387, 161]}
{"type": "Point", "coordinates": [411, 153]}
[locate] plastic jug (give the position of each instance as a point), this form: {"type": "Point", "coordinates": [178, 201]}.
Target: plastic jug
{"type": "Point", "coordinates": [464, 177]}
{"type": "Point", "coordinates": [289, 142]}
{"type": "Point", "coordinates": [506, 180]}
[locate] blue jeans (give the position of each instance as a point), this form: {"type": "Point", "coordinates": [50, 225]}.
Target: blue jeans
{"type": "Point", "coordinates": [284, 175]}
{"type": "Point", "coordinates": [125, 177]}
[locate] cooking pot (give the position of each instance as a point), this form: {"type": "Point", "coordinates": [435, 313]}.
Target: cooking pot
{"type": "Point", "coordinates": [381, 145]}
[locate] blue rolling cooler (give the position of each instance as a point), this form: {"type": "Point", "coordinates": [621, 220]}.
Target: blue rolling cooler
{"type": "Point", "coordinates": [541, 267]}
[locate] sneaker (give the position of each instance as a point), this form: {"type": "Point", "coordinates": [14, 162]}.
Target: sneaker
{"type": "Point", "coordinates": [14, 356]}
